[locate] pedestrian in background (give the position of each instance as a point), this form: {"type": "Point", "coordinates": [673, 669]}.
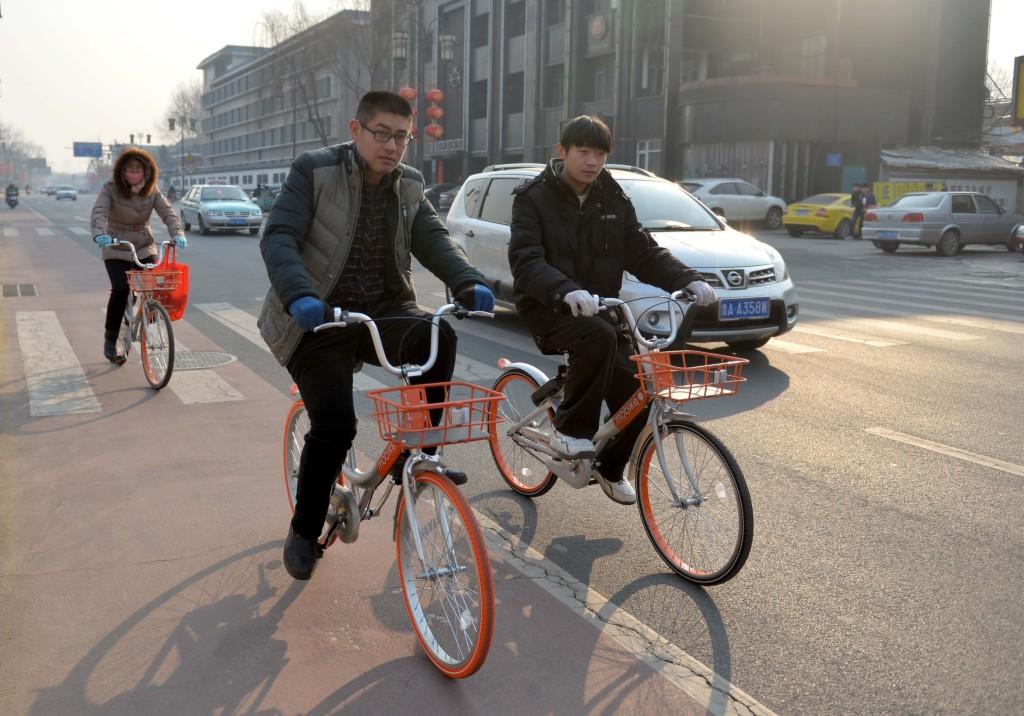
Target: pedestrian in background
{"type": "Point", "coordinates": [857, 198]}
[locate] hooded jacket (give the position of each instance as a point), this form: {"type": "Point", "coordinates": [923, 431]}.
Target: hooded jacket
{"type": "Point", "coordinates": [558, 246]}
{"type": "Point", "coordinates": [311, 227]}
{"type": "Point", "coordinates": [124, 215]}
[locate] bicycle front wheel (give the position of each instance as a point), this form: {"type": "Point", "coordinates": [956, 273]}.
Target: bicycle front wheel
{"type": "Point", "coordinates": [296, 425]}
{"type": "Point", "coordinates": [156, 338]}
{"type": "Point", "coordinates": [523, 471]}
{"type": "Point", "coordinates": [449, 596]}
{"type": "Point", "coordinates": [704, 532]}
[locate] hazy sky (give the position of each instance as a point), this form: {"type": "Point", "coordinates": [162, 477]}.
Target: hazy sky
{"type": "Point", "coordinates": [98, 70]}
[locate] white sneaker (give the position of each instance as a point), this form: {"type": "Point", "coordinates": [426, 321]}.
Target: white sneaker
{"type": "Point", "coordinates": [575, 448]}
{"type": "Point", "coordinates": [621, 491]}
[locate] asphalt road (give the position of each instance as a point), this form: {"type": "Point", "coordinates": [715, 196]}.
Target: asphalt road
{"type": "Point", "coordinates": [882, 444]}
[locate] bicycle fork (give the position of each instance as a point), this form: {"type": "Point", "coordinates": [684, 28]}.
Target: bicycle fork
{"type": "Point", "coordinates": [656, 419]}
{"type": "Point", "coordinates": [440, 515]}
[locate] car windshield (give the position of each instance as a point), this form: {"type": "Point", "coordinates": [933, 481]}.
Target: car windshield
{"type": "Point", "coordinates": [918, 201]}
{"type": "Point", "coordinates": [690, 186]}
{"type": "Point", "coordinates": [65, 188]}
{"type": "Point", "coordinates": [821, 199]}
{"type": "Point", "coordinates": [663, 206]}
{"type": "Point", "coordinates": [223, 193]}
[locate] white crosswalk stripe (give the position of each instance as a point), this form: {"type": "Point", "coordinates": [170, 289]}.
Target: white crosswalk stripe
{"type": "Point", "coordinates": [45, 231]}
{"type": "Point", "coordinates": [10, 232]}
{"type": "Point", "coordinates": [881, 325]}
{"type": "Point", "coordinates": [815, 330]}
{"type": "Point", "coordinates": [79, 230]}
{"type": "Point", "coordinates": [57, 385]}
{"type": "Point", "coordinates": [888, 295]}
{"type": "Point", "coordinates": [786, 347]}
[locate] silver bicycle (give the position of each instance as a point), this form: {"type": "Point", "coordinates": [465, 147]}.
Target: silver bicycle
{"type": "Point", "coordinates": [443, 567]}
{"type": "Point", "coordinates": [693, 498]}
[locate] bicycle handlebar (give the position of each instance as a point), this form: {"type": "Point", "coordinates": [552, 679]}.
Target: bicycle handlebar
{"type": "Point", "coordinates": [161, 250]}
{"type": "Point", "coordinates": [673, 301]}
{"type": "Point", "coordinates": [343, 318]}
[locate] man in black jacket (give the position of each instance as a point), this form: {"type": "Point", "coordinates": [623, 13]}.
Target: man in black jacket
{"type": "Point", "coordinates": [342, 233]}
{"type": "Point", "coordinates": [574, 231]}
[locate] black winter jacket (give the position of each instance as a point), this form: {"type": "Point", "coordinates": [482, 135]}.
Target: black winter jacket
{"type": "Point", "coordinates": [558, 246]}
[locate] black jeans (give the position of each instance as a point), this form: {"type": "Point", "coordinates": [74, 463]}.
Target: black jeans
{"type": "Point", "coordinates": [322, 368]}
{"type": "Point", "coordinates": [117, 270]}
{"type": "Point", "coordinates": [599, 370]}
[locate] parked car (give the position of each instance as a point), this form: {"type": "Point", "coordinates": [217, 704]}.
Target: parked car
{"type": "Point", "coordinates": [433, 193]}
{"type": "Point", "coordinates": [943, 219]}
{"type": "Point", "coordinates": [220, 206]}
{"type": "Point", "coordinates": [445, 199]}
{"type": "Point", "coordinates": [737, 200]}
{"type": "Point", "coordinates": [64, 191]}
{"type": "Point", "coordinates": [757, 296]}
{"type": "Point", "coordinates": [1018, 238]}
{"type": "Point", "coordinates": [825, 213]}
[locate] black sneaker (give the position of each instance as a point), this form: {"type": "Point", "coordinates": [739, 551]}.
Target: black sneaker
{"type": "Point", "coordinates": [300, 555]}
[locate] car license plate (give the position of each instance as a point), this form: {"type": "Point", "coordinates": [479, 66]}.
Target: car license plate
{"type": "Point", "coordinates": [888, 234]}
{"type": "Point", "coordinates": [800, 212]}
{"type": "Point", "coordinates": [730, 309]}
{"type": "Point", "coordinates": [236, 222]}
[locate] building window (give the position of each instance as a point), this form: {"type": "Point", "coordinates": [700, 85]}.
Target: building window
{"type": "Point", "coordinates": [554, 12]}
{"type": "Point", "coordinates": [513, 102]}
{"type": "Point", "coordinates": [554, 88]}
{"type": "Point", "coordinates": [515, 18]}
{"type": "Point", "coordinates": [598, 77]}
{"type": "Point", "coordinates": [650, 71]}
{"type": "Point", "coordinates": [648, 155]}
{"type": "Point", "coordinates": [649, 40]}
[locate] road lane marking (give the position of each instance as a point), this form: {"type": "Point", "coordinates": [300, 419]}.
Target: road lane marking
{"type": "Point", "coordinates": [79, 230]}
{"type": "Point", "coordinates": [244, 324]}
{"type": "Point", "coordinates": [938, 313]}
{"type": "Point", "coordinates": [10, 232]}
{"type": "Point", "coordinates": [825, 333]}
{"type": "Point", "coordinates": [959, 454]}
{"type": "Point", "coordinates": [45, 231]}
{"type": "Point", "coordinates": [200, 386]}
{"type": "Point", "coordinates": [715, 692]}
{"type": "Point", "coordinates": [56, 382]}
{"type": "Point", "coordinates": [787, 347]}
{"type": "Point", "coordinates": [947, 295]}
{"type": "Point", "coordinates": [879, 324]}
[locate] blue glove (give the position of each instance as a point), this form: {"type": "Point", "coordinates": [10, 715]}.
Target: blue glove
{"type": "Point", "coordinates": [476, 298]}
{"type": "Point", "coordinates": [103, 241]}
{"type": "Point", "coordinates": [181, 242]}
{"type": "Point", "coordinates": [308, 312]}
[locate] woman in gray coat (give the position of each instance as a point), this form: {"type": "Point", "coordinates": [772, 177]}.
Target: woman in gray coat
{"type": "Point", "coordinates": [122, 210]}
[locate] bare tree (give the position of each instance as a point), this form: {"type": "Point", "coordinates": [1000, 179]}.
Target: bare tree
{"type": "Point", "coordinates": [361, 54]}
{"type": "Point", "coordinates": [16, 152]}
{"type": "Point", "coordinates": [186, 104]}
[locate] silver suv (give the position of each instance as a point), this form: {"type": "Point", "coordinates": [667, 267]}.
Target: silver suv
{"type": "Point", "coordinates": [757, 299]}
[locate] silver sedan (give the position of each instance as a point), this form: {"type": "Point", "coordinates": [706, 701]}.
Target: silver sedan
{"type": "Point", "coordinates": [946, 220]}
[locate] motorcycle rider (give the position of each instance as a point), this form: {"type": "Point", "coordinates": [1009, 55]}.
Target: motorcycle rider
{"type": "Point", "coordinates": [11, 194]}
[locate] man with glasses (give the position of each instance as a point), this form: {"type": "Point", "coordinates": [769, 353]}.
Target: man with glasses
{"type": "Point", "coordinates": [342, 232]}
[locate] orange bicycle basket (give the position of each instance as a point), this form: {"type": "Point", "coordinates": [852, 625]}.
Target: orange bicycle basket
{"type": "Point", "coordinates": [403, 413]}
{"type": "Point", "coordinates": [168, 282]}
{"type": "Point", "coordinates": [689, 375]}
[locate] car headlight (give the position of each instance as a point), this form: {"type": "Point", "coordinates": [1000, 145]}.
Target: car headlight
{"type": "Point", "coordinates": [779, 264]}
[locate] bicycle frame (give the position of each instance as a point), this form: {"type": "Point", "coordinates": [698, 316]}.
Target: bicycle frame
{"type": "Point", "coordinates": [577, 472]}
{"type": "Point", "coordinates": [369, 480]}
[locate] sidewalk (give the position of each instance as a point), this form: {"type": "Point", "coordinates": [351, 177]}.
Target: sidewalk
{"type": "Point", "coordinates": [140, 566]}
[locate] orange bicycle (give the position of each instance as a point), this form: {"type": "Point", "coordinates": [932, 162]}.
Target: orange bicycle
{"type": "Point", "coordinates": [443, 567]}
{"type": "Point", "coordinates": [693, 498]}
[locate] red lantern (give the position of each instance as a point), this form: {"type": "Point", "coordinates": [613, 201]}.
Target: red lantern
{"type": "Point", "coordinates": [435, 112]}
{"type": "Point", "coordinates": [407, 93]}
{"type": "Point", "coordinates": [435, 95]}
{"type": "Point", "coordinates": [434, 131]}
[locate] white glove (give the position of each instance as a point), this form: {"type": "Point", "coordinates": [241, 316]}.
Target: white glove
{"type": "Point", "coordinates": [582, 303]}
{"type": "Point", "coordinates": [704, 294]}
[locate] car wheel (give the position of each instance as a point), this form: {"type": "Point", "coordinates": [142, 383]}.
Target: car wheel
{"type": "Point", "coordinates": [888, 247]}
{"type": "Point", "coordinates": [794, 232]}
{"type": "Point", "coordinates": [843, 229]}
{"type": "Point", "coordinates": [253, 232]}
{"type": "Point", "coordinates": [773, 219]}
{"type": "Point", "coordinates": [188, 226]}
{"type": "Point", "coordinates": [203, 228]}
{"type": "Point", "coordinates": [1011, 246]}
{"type": "Point", "coordinates": [751, 345]}
{"type": "Point", "coordinates": [948, 244]}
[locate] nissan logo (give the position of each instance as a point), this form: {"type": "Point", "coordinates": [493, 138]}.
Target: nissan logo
{"type": "Point", "coordinates": [735, 278]}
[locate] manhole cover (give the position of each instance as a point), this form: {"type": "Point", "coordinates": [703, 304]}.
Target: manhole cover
{"type": "Point", "coordinates": [197, 360]}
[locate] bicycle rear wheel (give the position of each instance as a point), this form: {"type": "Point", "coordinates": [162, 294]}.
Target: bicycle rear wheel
{"type": "Point", "coordinates": [450, 596]}
{"type": "Point", "coordinates": [156, 338]}
{"type": "Point", "coordinates": [705, 535]}
{"type": "Point", "coordinates": [523, 471]}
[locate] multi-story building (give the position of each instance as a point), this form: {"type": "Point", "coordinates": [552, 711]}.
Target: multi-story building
{"type": "Point", "coordinates": [263, 106]}
{"type": "Point", "coordinates": [795, 95]}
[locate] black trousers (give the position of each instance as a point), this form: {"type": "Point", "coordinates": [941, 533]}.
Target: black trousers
{"type": "Point", "coordinates": [599, 371]}
{"type": "Point", "coordinates": [117, 270]}
{"type": "Point", "coordinates": [322, 368]}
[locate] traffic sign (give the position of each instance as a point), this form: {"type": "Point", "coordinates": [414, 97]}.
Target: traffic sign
{"type": "Point", "coordinates": [88, 149]}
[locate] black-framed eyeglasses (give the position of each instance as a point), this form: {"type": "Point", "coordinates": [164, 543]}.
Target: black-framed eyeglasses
{"type": "Point", "coordinates": [383, 136]}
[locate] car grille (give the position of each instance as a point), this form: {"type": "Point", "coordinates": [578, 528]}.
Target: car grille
{"type": "Point", "coordinates": [712, 280]}
{"type": "Point", "coordinates": [236, 213]}
{"type": "Point", "coordinates": [758, 277]}
{"type": "Point", "coordinates": [754, 277]}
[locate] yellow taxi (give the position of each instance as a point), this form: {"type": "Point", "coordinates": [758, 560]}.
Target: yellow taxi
{"type": "Point", "coordinates": [827, 213]}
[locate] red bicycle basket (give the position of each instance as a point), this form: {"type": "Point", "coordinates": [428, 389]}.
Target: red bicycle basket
{"type": "Point", "coordinates": [689, 375]}
{"type": "Point", "coordinates": [168, 282]}
{"type": "Point", "coordinates": [403, 414]}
